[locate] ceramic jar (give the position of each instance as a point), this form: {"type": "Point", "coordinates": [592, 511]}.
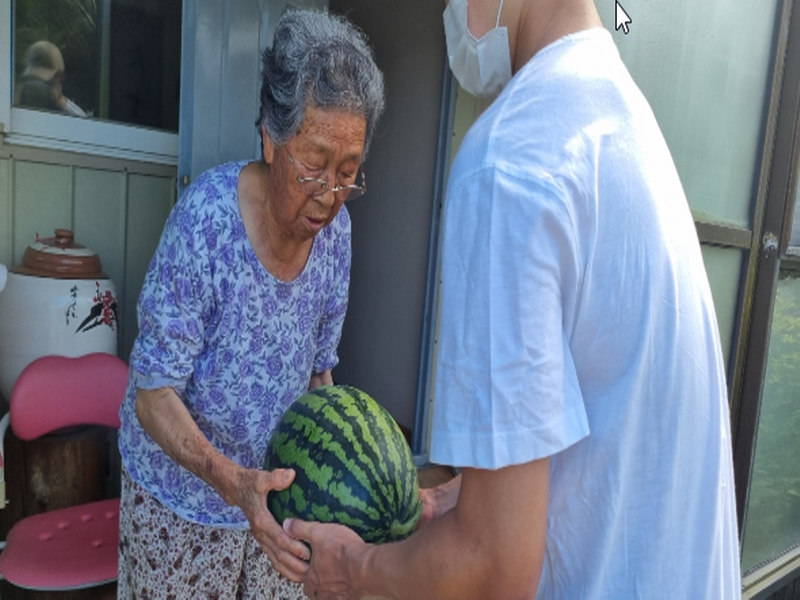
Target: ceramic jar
{"type": "Point", "coordinates": [58, 301]}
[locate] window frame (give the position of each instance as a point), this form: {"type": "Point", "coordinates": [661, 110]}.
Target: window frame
{"type": "Point", "coordinates": [771, 255]}
{"type": "Point", "coordinates": [789, 254]}
{"type": "Point", "coordinates": [26, 127]}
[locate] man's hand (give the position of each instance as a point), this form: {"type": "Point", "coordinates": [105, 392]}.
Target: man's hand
{"type": "Point", "coordinates": [289, 556]}
{"type": "Point", "coordinates": [490, 544]}
{"type": "Point", "coordinates": [336, 555]}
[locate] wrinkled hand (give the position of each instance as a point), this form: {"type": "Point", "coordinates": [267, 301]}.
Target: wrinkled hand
{"type": "Point", "coordinates": [438, 500]}
{"type": "Point", "coordinates": [289, 556]}
{"type": "Point", "coordinates": [428, 498]}
{"type": "Point", "coordinates": [336, 554]}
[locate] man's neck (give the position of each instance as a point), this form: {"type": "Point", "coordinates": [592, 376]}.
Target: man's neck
{"type": "Point", "coordinates": [542, 22]}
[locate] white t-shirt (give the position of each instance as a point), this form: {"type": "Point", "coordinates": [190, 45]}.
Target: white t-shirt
{"type": "Point", "coordinates": [577, 322]}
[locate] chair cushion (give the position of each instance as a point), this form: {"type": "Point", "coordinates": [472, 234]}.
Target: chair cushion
{"type": "Point", "coordinates": [54, 392]}
{"type": "Point", "coordinates": [64, 549]}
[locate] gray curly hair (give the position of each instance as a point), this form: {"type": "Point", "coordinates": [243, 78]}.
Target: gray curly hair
{"type": "Point", "coordinates": [322, 60]}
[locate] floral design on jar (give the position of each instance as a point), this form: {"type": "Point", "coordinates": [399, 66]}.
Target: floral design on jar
{"type": "Point", "coordinates": [103, 311]}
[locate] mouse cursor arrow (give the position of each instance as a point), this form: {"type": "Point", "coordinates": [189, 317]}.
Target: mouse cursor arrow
{"type": "Point", "coordinates": [622, 19]}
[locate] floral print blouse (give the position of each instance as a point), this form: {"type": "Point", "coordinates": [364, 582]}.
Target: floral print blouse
{"type": "Point", "coordinates": [236, 344]}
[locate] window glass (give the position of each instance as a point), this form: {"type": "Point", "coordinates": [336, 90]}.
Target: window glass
{"type": "Point", "coordinates": [468, 109]}
{"type": "Point", "coordinates": [724, 269]}
{"type": "Point", "coordinates": [794, 240]}
{"type": "Point", "coordinates": [117, 60]}
{"type": "Point", "coordinates": [773, 512]}
{"type": "Point", "coordinates": [705, 68]}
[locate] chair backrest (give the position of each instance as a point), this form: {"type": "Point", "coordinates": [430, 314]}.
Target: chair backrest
{"type": "Point", "coordinates": [54, 392]}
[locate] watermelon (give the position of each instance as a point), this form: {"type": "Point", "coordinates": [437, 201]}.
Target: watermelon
{"type": "Point", "coordinates": [352, 465]}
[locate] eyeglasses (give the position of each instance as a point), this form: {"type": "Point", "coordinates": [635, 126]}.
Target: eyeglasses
{"type": "Point", "coordinates": [311, 186]}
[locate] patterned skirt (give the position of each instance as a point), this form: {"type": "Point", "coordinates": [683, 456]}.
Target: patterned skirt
{"type": "Point", "coordinates": [161, 555]}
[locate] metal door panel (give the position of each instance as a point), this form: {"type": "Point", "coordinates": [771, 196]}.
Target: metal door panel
{"type": "Point", "coordinates": [220, 72]}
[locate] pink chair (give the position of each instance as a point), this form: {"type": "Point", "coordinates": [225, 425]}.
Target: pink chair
{"type": "Point", "coordinates": [73, 547]}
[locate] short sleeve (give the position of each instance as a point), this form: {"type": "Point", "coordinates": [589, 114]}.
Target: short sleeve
{"type": "Point", "coordinates": [506, 389]}
{"type": "Point", "coordinates": [170, 308]}
{"type": "Point", "coordinates": [329, 332]}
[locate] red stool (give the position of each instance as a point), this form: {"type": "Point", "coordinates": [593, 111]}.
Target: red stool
{"type": "Point", "coordinates": [73, 547]}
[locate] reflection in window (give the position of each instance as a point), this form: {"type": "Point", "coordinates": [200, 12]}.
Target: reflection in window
{"type": "Point", "coordinates": [773, 517]}
{"type": "Point", "coordinates": [117, 60]}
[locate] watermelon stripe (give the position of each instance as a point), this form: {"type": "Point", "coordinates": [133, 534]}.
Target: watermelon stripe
{"type": "Point", "coordinates": [345, 464]}
{"type": "Point", "coordinates": [383, 430]}
{"type": "Point", "coordinates": [350, 420]}
{"type": "Point", "coordinates": [398, 471]}
{"type": "Point", "coordinates": [352, 464]}
{"type": "Point", "coordinates": [357, 430]}
{"type": "Point", "coordinates": [297, 505]}
{"type": "Point", "coordinates": [392, 441]}
{"type": "Point", "coordinates": [379, 421]}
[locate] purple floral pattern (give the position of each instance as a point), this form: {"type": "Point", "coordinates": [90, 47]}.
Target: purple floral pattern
{"type": "Point", "coordinates": [236, 344]}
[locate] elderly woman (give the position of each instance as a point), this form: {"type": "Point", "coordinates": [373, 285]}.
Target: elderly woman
{"type": "Point", "coordinates": [241, 313]}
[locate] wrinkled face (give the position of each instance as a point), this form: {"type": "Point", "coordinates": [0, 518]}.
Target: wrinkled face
{"type": "Point", "coordinates": [329, 147]}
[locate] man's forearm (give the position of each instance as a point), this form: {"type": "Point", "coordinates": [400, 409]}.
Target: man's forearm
{"type": "Point", "coordinates": [490, 545]}
{"type": "Point", "coordinates": [436, 562]}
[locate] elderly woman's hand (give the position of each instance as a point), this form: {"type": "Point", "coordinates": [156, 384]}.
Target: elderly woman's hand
{"type": "Point", "coordinates": [288, 555]}
{"type": "Point", "coordinates": [437, 501]}
{"type": "Point", "coordinates": [428, 499]}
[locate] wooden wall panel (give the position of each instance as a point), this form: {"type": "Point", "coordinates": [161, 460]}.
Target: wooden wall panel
{"type": "Point", "coordinates": [6, 248]}
{"type": "Point", "coordinates": [117, 214]}
{"type": "Point", "coordinates": [150, 200]}
{"type": "Point", "coordinates": [99, 222]}
{"type": "Point", "coordinates": [42, 202]}
{"type": "Point", "coordinates": [100, 198]}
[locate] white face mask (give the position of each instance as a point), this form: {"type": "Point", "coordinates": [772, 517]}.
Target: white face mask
{"type": "Point", "coordinates": [481, 66]}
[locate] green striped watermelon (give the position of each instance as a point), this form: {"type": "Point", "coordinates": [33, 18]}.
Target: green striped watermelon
{"type": "Point", "coordinates": [352, 465]}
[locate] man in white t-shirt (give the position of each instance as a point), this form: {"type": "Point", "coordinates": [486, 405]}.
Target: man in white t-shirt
{"type": "Point", "coordinates": [579, 382]}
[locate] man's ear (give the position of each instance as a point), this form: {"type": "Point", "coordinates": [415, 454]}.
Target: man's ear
{"type": "Point", "coordinates": [267, 147]}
